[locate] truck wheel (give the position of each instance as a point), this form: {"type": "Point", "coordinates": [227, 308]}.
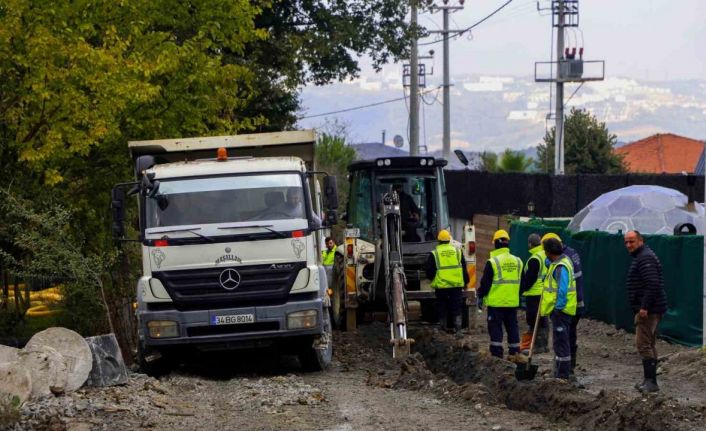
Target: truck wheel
{"type": "Point", "coordinates": [152, 362]}
{"type": "Point", "coordinates": [318, 356]}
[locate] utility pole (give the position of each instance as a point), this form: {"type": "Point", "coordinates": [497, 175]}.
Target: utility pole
{"type": "Point", "coordinates": [414, 87]}
{"type": "Point", "coordinates": [446, 145]}
{"type": "Point", "coordinates": [559, 130]}
{"type": "Point", "coordinates": [446, 35]}
{"type": "Point", "coordinates": [568, 67]}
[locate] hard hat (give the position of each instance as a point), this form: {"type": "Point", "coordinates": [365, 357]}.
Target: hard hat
{"type": "Point", "coordinates": [550, 235]}
{"type": "Point", "coordinates": [444, 235]}
{"type": "Point", "coordinates": [501, 234]}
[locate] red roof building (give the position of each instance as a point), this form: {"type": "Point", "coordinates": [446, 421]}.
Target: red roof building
{"type": "Point", "coordinates": [662, 153]}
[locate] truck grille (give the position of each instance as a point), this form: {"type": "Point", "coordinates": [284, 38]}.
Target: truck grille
{"type": "Point", "coordinates": [201, 288]}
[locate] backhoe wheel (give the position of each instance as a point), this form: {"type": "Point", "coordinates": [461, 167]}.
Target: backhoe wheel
{"type": "Point", "coordinates": [338, 310]}
{"type": "Point", "coordinates": [317, 356]}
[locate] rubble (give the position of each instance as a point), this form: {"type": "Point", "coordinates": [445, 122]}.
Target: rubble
{"type": "Point", "coordinates": [47, 368]}
{"type": "Point", "coordinates": [15, 382]}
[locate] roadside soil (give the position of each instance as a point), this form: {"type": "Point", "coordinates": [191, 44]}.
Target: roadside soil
{"type": "Point", "coordinates": [446, 384]}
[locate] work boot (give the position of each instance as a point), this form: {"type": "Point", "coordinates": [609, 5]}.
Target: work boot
{"type": "Point", "coordinates": [542, 341]}
{"type": "Point", "coordinates": [525, 341]}
{"type": "Point", "coordinates": [650, 369]}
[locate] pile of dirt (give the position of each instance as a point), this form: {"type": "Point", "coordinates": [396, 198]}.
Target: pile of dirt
{"type": "Point", "coordinates": [468, 370]}
{"type": "Point", "coordinates": [690, 364]}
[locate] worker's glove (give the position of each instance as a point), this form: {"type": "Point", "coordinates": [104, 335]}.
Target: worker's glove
{"type": "Point", "coordinates": [480, 304]}
{"type": "Point", "coordinates": [580, 311]}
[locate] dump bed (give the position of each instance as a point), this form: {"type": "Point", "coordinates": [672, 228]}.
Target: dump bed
{"type": "Point", "coordinates": [298, 143]}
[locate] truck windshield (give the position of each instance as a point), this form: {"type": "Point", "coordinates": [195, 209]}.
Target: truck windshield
{"type": "Point", "coordinates": [228, 199]}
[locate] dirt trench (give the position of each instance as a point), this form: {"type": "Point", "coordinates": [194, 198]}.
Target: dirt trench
{"type": "Point", "coordinates": [476, 376]}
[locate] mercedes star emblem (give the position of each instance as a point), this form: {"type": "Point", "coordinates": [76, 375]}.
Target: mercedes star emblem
{"type": "Point", "coordinates": [229, 279]}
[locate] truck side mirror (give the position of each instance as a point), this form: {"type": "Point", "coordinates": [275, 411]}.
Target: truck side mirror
{"type": "Point", "coordinates": [117, 205]}
{"type": "Point", "coordinates": [331, 192]}
{"type": "Point", "coordinates": [331, 217]}
{"type": "Point", "coordinates": [143, 163]}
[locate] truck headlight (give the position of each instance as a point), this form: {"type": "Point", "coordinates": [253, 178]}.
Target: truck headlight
{"type": "Point", "coordinates": [302, 319]}
{"type": "Point", "coordinates": [163, 328]}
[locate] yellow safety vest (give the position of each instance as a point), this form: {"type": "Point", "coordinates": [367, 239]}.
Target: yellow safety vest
{"type": "Point", "coordinates": [538, 254]}
{"type": "Point", "coordinates": [505, 290]}
{"type": "Point", "coordinates": [328, 256]}
{"type": "Point", "coordinates": [449, 271]}
{"type": "Point", "coordinates": [551, 289]}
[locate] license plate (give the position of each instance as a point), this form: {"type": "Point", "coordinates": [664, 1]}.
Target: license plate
{"type": "Point", "coordinates": [233, 319]}
{"type": "Point", "coordinates": [352, 233]}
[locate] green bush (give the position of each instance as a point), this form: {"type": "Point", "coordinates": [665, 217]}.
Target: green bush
{"type": "Point", "coordinates": [82, 309]}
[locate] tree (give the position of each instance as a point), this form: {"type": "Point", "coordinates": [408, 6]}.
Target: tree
{"type": "Point", "coordinates": [507, 161]}
{"type": "Point", "coordinates": [514, 161]}
{"type": "Point", "coordinates": [489, 161]}
{"type": "Point", "coordinates": [333, 156]}
{"type": "Point", "coordinates": [588, 147]}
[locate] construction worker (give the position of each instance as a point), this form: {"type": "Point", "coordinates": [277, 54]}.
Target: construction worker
{"type": "Point", "coordinates": [531, 287]}
{"type": "Point", "coordinates": [580, 306]}
{"type": "Point", "coordinates": [559, 302]}
{"type": "Point", "coordinates": [328, 257]}
{"type": "Point", "coordinates": [446, 267]}
{"type": "Point", "coordinates": [500, 291]}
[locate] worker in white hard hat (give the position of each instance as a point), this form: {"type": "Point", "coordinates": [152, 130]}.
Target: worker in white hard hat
{"type": "Point", "coordinates": [500, 292]}
{"type": "Point", "coordinates": [446, 267]}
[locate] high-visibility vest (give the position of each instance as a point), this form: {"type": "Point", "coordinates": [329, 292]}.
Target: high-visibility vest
{"type": "Point", "coordinates": [551, 288]}
{"type": "Point", "coordinates": [449, 270]}
{"type": "Point", "coordinates": [505, 290]}
{"type": "Point", "coordinates": [538, 254]}
{"type": "Point", "coordinates": [327, 256]}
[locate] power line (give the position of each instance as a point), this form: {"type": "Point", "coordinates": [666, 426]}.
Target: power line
{"type": "Point", "coordinates": [471, 27]}
{"type": "Point", "coordinates": [370, 105]}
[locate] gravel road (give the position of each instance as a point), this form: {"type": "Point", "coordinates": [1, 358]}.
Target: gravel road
{"type": "Point", "coordinates": [447, 384]}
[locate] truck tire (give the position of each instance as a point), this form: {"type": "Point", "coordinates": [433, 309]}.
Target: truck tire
{"type": "Point", "coordinates": [154, 367]}
{"type": "Point", "coordinates": [317, 356]}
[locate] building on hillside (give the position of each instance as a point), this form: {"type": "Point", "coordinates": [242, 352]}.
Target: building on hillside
{"type": "Point", "coordinates": [662, 153]}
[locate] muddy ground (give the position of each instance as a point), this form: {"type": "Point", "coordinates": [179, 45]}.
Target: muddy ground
{"type": "Point", "coordinates": [446, 384]}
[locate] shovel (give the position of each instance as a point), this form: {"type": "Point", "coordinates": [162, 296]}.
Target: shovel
{"type": "Point", "coordinates": [527, 371]}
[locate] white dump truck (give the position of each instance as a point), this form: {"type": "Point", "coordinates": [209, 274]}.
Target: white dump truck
{"type": "Point", "coordinates": [231, 235]}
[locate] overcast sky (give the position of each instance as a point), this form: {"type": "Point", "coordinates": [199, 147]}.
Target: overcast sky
{"type": "Point", "coordinates": [642, 39]}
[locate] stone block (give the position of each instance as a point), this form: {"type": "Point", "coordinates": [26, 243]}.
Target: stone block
{"type": "Point", "coordinates": [72, 347]}
{"type": "Point", "coordinates": [108, 365]}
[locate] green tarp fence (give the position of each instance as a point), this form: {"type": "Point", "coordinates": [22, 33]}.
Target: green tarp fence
{"type": "Point", "coordinates": [605, 264]}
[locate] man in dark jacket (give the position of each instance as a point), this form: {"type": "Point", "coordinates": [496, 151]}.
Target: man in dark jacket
{"type": "Point", "coordinates": [648, 300]}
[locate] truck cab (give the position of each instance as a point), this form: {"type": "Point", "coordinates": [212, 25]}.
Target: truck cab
{"type": "Point", "coordinates": [231, 247]}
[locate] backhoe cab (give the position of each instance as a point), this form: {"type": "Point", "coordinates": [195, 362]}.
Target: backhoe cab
{"type": "Point", "coordinates": [368, 256]}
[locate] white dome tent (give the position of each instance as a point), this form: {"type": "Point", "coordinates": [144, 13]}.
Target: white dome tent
{"type": "Point", "coordinates": [648, 209]}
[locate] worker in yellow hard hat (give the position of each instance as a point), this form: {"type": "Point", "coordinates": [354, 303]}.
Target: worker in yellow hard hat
{"type": "Point", "coordinates": [500, 291]}
{"type": "Point", "coordinates": [446, 268]}
{"type": "Point", "coordinates": [531, 287]}
{"type": "Point", "coordinates": [577, 273]}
